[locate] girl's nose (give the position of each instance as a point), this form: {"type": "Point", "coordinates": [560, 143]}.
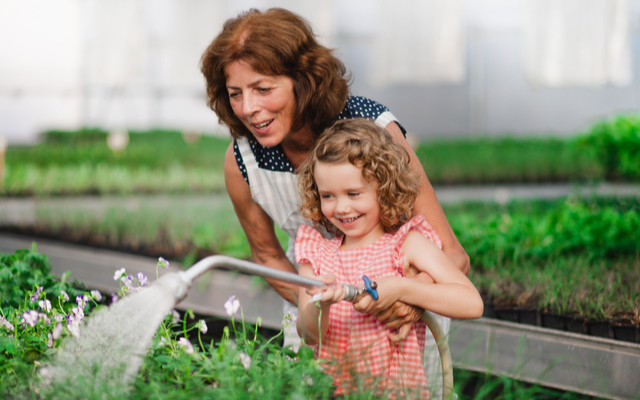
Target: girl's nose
{"type": "Point", "coordinates": [343, 206]}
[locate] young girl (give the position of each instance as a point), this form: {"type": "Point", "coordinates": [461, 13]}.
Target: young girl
{"type": "Point", "coordinates": [358, 185]}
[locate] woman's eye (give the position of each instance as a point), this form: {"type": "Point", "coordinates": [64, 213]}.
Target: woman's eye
{"type": "Point", "coordinates": [263, 90]}
{"type": "Point", "coordinates": [233, 94]}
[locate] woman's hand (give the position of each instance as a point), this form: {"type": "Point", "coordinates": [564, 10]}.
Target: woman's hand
{"type": "Point", "coordinates": [329, 295]}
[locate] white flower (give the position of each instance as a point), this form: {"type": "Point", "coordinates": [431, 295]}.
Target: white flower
{"type": "Point", "coordinates": [57, 331]}
{"type": "Point", "coordinates": [30, 318]}
{"type": "Point", "coordinates": [58, 317]}
{"type": "Point", "coordinates": [202, 326]}
{"type": "Point", "coordinates": [288, 318]}
{"type": "Point", "coordinates": [163, 263]}
{"type": "Point", "coordinates": [36, 295]}
{"type": "Point", "coordinates": [44, 317]}
{"type": "Point", "coordinates": [77, 315]}
{"type": "Point", "coordinates": [50, 340]}
{"type": "Point", "coordinates": [118, 274]}
{"type": "Point", "coordinates": [232, 305]}
{"type": "Point", "coordinates": [245, 360]}
{"type": "Point", "coordinates": [74, 328]}
{"type": "Point", "coordinates": [175, 317]}
{"type": "Point", "coordinates": [306, 380]}
{"type": "Point", "coordinates": [188, 347]}
{"type": "Point", "coordinates": [142, 279]}
{"type": "Point", "coordinates": [64, 296]}
{"type": "Point", "coordinates": [8, 325]}
{"type": "Point", "coordinates": [162, 341]}
{"type": "Point", "coordinates": [96, 295]}
{"type": "Point", "coordinates": [45, 305]}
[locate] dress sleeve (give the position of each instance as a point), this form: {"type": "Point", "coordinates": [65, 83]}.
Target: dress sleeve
{"type": "Point", "coordinates": [419, 224]}
{"type": "Point", "coordinates": [308, 242]}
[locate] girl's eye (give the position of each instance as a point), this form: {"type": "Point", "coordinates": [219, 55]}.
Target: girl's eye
{"type": "Point", "coordinates": [325, 196]}
{"type": "Point", "coordinates": [353, 194]}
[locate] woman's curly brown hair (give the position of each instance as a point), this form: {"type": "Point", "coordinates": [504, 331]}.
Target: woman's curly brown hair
{"type": "Point", "coordinates": [277, 42]}
{"type": "Point", "coordinates": [364, 144]}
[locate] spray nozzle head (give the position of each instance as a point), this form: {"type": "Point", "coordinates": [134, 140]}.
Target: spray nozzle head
{"type": "Point", "coordinates": [177, 283]}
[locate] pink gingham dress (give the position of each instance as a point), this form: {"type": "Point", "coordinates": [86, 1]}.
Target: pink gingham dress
{"type": "Point", "coordinates": [356, 345]}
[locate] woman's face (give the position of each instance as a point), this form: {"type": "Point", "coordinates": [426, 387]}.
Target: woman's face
{"type": "Point", "coordinates": [264, 103]}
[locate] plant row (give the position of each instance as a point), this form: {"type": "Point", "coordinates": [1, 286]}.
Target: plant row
{"type": "Point", "coordinates": [71, 163]}
{"type": "Point", "coordinates": [569, 256]}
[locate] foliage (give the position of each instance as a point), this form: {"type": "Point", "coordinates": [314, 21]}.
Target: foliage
{"type": "Point", "coordinates": [72, 163]}
{"type": "Point", "coordinates": [506, 159]}
{"type": "Point", "coordinates": [573, 226]}
{"type": "Point", "coordinates": [615, 143]}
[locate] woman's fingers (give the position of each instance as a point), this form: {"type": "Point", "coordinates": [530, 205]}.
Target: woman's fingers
{"type": "Point", "coordinates": [401, 335]}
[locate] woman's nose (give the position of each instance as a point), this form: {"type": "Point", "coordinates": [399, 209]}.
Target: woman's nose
{"type": "Point", "coordinates": [250, 104]}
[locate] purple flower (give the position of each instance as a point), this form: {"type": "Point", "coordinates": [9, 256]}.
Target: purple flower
{"type": "Point", "coordinates": [50, 340]}
{"type": "Point", "coordinates": [114, 298]}
{"type": "Point", "coordinates": [36, 295]}
{"type": "Point", "coordinates": [142, 279]}
{"type": "Point", "coordinates": [96, 295]}
{"type": "Point", "coordinates": [8, 325]}
{"type": "Point", "coordinates": [232, 305]}
{"type": "Point", "coordinates": [163, 263]}
{"type": "Point", "coordinates": [118, 274]}
{"type": "Point", "coordinates": [30, 318]}
{"type": "Point", "coordinates": [127, 281]}
{"type": "Point", "coordinates": [184, 342]}
{"type": "Point", "coordinates": [45, 305]}
{"type": "Point", "coordinates": [82, 300]}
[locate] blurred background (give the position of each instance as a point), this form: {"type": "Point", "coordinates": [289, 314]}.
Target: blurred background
{"type": "Point", "coordinates": [445, 68]}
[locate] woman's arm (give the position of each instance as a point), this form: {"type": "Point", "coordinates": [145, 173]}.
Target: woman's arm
{"type": "Point", "coordinates": [427, 204]}
{"type": "Point", "coordinates": [258, 227]}
{"type": "Point", "coordinates": [452, 295]}
{"type": "Point", "coordinates": [308, 314]}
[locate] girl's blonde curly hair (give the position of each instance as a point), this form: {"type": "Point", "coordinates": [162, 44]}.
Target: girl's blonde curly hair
{"type": "Point", "coordinates": [364, 144]}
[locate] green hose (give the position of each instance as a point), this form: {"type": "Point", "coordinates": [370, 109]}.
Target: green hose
{"type": "Point", "coordinates": [445, 354]}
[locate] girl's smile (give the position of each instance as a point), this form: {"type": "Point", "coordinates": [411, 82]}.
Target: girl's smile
{"type": "Point", "coordinates": [349, 202]}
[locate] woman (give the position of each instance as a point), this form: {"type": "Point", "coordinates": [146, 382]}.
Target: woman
{"type": "Point", "coordinates": [276, 89]}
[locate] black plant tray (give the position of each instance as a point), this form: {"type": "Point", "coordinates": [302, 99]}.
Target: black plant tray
{"type": "Point", "coordinates": [619, 329]}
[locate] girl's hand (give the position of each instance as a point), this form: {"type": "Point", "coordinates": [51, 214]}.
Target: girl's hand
{"type": "Point", "coordinates": [331, 294]}
{"type": "Point", "coordinates": [388, 294]}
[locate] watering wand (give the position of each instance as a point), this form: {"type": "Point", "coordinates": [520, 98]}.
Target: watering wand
{"type": "Point", "coordinates": [180, 282]}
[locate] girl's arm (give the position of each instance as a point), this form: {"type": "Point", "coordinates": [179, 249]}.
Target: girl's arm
{"type": "Point", "coordinates": [308, 314]}
{"type": "Point", "coordinates": [452, 295]}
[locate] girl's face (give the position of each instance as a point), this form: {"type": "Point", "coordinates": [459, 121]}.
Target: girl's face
{"type": "Point", "coordinates": [264, 103]}
{"type": "Point", "coordinates": [349, 202]}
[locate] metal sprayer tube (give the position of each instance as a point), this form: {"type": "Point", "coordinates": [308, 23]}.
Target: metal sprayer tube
{"type": "Point", "coordinates": [248, 267]}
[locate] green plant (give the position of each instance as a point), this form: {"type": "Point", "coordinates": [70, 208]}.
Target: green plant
{"type": "Point", "coordinates": [615, 143]}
